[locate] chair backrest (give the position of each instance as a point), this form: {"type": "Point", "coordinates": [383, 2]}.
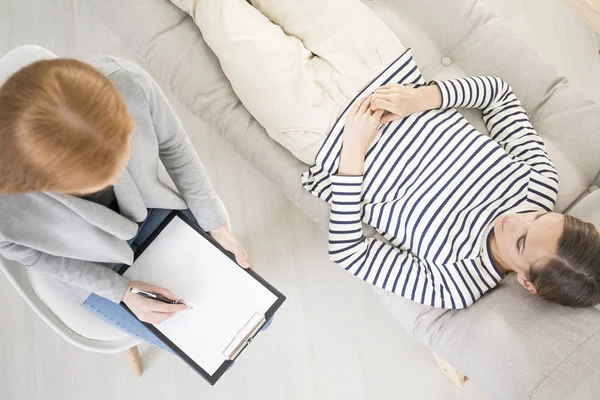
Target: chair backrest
{"type": "Point", "coordinates": [19, 279]}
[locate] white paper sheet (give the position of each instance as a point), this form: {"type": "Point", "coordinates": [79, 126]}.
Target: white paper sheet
{"type": "Point", "coordinates": [223, 295]}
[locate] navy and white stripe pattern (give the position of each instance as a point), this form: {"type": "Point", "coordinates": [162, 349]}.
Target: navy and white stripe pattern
{"type": "Point", "coordinates": [432, 187]}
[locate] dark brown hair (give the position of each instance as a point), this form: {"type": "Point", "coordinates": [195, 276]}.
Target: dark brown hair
{"type": "Point", "coordinates": [572, 277]}
{"type": "Point", "coordinates": [63, 125]}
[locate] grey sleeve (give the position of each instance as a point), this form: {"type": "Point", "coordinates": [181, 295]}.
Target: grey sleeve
{"type": "Point", "coordinates": [87, 275]}
{"type": "Point", "coordinates": [179, 157]}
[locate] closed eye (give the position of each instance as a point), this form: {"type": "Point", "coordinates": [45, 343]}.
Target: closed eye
{"type": "Point", "coordinates": [520, 243]}
{"type": "Point", "coordinates": [523, 239]}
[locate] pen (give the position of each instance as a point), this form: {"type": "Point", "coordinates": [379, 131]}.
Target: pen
{"type": "Point", "coordinates": [157, 297]}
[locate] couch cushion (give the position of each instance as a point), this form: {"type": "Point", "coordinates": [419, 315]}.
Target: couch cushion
{"type": "Point", "coordinates": [510, 335]}
{"type": "Point", "coordinates": [588, 209]}
{"type": "Point", "coordinates": [510, 342]}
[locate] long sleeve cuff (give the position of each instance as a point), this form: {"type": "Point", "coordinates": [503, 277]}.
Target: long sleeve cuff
{"type": "Point", "coordinates": [345, 207]}
{"type": "Point", "coordinates": [118, 289]}
{"type": "Point", "coordinates": [448, 100]}
{"type": "Point", "coordinates": [210, 214]}
{"type": "Point", "coordinates": [346, 188]}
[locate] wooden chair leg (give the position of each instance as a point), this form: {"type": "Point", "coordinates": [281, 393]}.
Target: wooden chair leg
{"type": "Point", "coordinates": [455, 375]}
{"type": "Point", "coordinates": [134, 360]}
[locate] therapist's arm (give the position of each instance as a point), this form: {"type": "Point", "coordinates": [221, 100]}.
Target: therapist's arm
{"type": "Point", "coordinates": [185, 168]}
{"type": "Point", "coordinates": [179, 157]}
{"type": "Point", "coordinates": [89, 276]}
{"type": "Point", "coordinates": [94, 278]}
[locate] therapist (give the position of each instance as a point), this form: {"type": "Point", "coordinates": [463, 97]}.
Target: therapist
{"type": "Point", "coordinates": [83, 151]}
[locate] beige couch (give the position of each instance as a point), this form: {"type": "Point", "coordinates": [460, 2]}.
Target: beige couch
{"type": "Point", "coordinates": [516, 346]}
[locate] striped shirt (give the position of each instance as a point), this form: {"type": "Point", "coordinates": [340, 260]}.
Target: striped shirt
{"type": "Point", "coordinates": [432, 187]}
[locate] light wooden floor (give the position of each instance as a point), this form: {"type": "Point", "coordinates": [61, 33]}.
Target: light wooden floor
{"type": "Point", "coordinates": [331, 340]}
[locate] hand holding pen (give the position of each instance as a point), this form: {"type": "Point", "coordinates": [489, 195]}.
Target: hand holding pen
{"type": "Point", "coordinates": [157, 297]}
{"type": "Point", "coordinates": [150, 303]}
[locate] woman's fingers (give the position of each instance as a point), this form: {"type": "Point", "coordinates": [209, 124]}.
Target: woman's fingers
{"type": "Point", "coordinates": [395, 88]}
{"type": "Point", "coordinates": [156, 318]}
{"type": "Point", "coordinates": [387, 88]}
{"type": "Point", "coordinates": [365, 105]}
{"type": "Point", "coordinates": [377, 114]}
{"type": "Point", "coordinates": [166, 308]}
{"type": "Point", "coordinates": [241, 256]}
{"type": "Point", "coordinates": [164, 292]}
{"type": "Point", "coordinates": [356, 106]}
{"type": "Point", "coordinates": [389, 118]}
{"type": "Point", "coordinates": [383, 96]}
{"type": "Point", "coordinates": [382, 103]}
{"type": "Point", "coordinates": [384, 90]}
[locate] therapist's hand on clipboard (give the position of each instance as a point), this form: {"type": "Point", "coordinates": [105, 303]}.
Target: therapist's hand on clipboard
{"type": "Point", "coordinates": [153, 311]}
{"type": "Point", "coordinates": [231, 244]}
{"type": "Point", "coordinates": [150, 310]}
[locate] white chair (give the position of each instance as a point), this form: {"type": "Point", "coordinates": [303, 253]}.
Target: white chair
{"type": "Point", "coordinates": [66, 317]}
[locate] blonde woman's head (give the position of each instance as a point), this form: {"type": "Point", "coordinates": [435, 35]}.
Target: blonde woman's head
{"type": "Point", "coordinates": [63, 128]}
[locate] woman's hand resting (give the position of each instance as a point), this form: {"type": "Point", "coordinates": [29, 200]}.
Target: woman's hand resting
{"type": "Point", "coordinates": [230, 243]}
{"type": "Point", "coordinates": [360, 129]}
{"type": "Point", "coordinates": [149, 310]}
{"type": "Point", "coordinates": [401, 100]}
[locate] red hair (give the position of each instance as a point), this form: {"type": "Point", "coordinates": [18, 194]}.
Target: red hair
{"type": "Point", "coordinates": [63, 127]}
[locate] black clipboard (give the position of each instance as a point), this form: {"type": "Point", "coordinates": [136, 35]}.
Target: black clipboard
{"type": "Point", "coordinates": [212, 379]}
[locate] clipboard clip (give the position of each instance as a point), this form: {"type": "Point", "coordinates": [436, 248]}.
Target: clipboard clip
{"type": "Point", "coordinates": [244, 336]}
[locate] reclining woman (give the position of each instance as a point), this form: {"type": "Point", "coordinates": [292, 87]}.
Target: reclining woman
{"type": "Point", "coordinates": [457, 209]}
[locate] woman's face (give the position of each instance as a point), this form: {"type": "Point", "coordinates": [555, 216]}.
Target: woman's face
{"type": "Point", "coordinates": [522, 239]}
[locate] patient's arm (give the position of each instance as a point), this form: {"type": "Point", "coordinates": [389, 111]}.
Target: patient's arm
{"type": "Point", "coordinates": [371, 260]}
{"type": "Point", "coordinates": [504, 117]}
{"type": "Point", "coordinates": [383, 265]}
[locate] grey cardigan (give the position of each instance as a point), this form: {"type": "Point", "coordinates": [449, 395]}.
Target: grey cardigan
{"type": "Point", "coordinates": [77, 241]}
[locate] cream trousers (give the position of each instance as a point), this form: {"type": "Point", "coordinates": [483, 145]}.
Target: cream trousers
{"type": "Point", "coordinates": [295, 64]}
